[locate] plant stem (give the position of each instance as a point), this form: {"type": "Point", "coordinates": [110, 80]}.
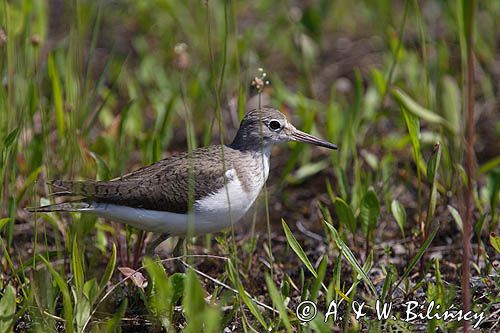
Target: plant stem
{"type": "Point", "coordinates": [469, 158]}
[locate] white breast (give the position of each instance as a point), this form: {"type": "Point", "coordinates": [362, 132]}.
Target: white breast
{"type": "Point", "coordinates": [227, 205]}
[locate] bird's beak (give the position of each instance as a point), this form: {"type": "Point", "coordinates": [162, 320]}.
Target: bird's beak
{"type": "Point", "coordinates": [300, 136]}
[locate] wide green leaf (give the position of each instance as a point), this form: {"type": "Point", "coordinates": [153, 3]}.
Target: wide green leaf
{"type": "Point", "coordinates": [4, 221]}
{"type": "Point", "coordinates": [306, 171]}
{"type": "Point", "coordinates": [193, 302]}
{"type": "Point", "coordinates": [82, 310]}
{"type": "Point", "coordinates": [7, 308]}
{"type": "Point", "coordinates": [456, 216]}
{"type": "Point", "coordinates": [9, 139]}
{"type": "Point", "coordinates": [399, 214]}
{"type": "Point", "coordinates": [495, 242]}
{"type": "Point", "coordinates": [345, 214]}
{"type": "Point", "coordinates": [160, 293]}
{"type": "Point", "coordinates": [405, 101]}
{"type": "Point", "coordinates": [369, 211]}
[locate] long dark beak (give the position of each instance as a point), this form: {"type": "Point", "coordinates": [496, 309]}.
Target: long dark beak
{"type": "Point", "coordinates": [300, 136]}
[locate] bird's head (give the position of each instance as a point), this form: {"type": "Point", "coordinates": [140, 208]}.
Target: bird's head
{"type": "Point", "coordinates": [266, 126]}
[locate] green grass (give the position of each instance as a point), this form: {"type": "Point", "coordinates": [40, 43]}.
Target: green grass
{"type": "Point", "coordinates": [94, 89]}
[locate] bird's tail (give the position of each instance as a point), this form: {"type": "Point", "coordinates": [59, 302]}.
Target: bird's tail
{"type": "Point", "coordinates": [68, 206]}
{"type": "Point", "coordinates": [87, 188]}
{"type": "Point", "coordinates": [74, 188]}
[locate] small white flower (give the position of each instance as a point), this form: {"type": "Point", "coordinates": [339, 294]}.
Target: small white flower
{"type": "Point", "coordinates": [180, 48]}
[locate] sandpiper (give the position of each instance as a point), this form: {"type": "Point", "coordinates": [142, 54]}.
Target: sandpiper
{"type": "Point", "coordinates": [193, 193]}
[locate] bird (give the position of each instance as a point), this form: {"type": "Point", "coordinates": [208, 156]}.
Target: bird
{"type": "Point", "coordinates": [192, 193]}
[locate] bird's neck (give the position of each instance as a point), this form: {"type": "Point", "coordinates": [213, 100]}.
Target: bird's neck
{"type": "Point", "coordinates": [252, 146]}
{"type": "Point", "coordinates": [247, 141]}
{"type": "Point", "coordinates": [253, 167]}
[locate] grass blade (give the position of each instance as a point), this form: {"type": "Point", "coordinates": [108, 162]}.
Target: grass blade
{"type": "Point", "coordinates": [298, 249]}
{"type": "Point", "coordinates": [432, 168]}
{"type": "Point", "coordinates": [63, 287]}
{"type": "Point", "coordinates": [78, 266]}
{"type": "Point", "coordinates": [413, 125]}
{"type": "Point", "coordinates": [417, 257]}
{"type": "Point", "coordinates": [347, 253]}
{"type": "Point", "coordinates": [57, 96]}
{"type": "Point", "coordinates": [319, 280]}
{"type": "Point", "coordinates": [109, 270]}
{"type": "Point", "coordinates": [244, 296]}
{"type": "Point", "coordinates": [278, 302]}
{"type": "Point", "coordinates": [9, 139]}
{"type": "Point", "coordinates": [114, 322]}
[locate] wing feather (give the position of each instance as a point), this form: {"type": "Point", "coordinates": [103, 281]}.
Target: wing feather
{"type": "Point", "coordinates": [164, 185]}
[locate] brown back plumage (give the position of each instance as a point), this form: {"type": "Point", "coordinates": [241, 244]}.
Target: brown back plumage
{"type": "Point", "coordinates": [163, 185]}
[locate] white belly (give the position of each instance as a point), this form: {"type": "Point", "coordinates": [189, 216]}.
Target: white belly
{"type": "Point", "coordinates": [212, 213]}
{"type": "Point", "coordinates": [227, 205]}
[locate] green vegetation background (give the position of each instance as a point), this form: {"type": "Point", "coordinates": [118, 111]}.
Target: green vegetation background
{"type": "Point", "coordinates": [93, 89]}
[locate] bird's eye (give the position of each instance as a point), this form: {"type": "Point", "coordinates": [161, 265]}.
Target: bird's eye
{"type": "Point", "coordinates": [274, 125]}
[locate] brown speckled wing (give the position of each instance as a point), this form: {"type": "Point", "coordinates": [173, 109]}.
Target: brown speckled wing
{"type": "Point", "coordinates": [162, 186]}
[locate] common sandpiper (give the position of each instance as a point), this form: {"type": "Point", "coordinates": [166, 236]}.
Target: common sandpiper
{"type": "Point", "coordinates": [192, 193]}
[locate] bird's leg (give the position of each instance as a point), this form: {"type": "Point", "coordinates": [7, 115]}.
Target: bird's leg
{"type": "Point", "coordinates": [152, 246]}
{"type": "Point", "coordinates": [178, 253]}
{"type": "Point", "coordinates": [178, 249]}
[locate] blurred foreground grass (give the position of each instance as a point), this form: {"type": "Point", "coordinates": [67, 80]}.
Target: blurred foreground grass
{"type": "Point", "coordinates": [93, 89]}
